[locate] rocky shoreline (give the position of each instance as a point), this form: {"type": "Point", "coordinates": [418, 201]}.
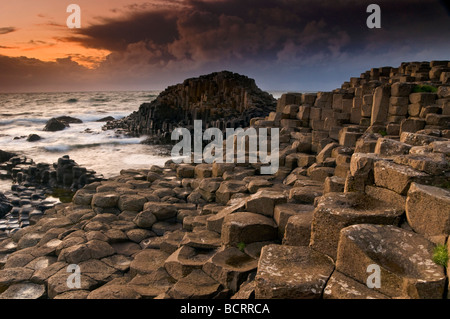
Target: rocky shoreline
{"type": "Point", "coordinates": [33, 184]}
{"type": "Point", "coordinates": [363, 184]}
{"type": "Point", "coordinates": [221, 99]}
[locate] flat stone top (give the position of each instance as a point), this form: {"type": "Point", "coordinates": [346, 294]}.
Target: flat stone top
{"type": "Point", "coordinates": [292, 265]}
{"type": "Point", "coordinates": [243, 219]}
{"type": "Point", "coordinates": [397, 250]}
{"type": "Point", "coordinates": [235, 260]}
{"type": "Point", "coordinates": [432, 191]}
{"type": "Point", "coordinates": [349, 204]}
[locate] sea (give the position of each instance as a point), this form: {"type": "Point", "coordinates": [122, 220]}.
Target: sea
{"type": "Point", "coordinates": [86, 143]}
{"type": "Point", "coordinates": [105, 152]}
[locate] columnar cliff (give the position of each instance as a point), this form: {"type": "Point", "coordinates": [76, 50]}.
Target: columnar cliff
{"type": "Point", "coordinates": [222, 99]}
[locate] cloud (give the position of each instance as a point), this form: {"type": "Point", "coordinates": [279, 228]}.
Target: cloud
{"type": "Point", "coordinates": [283, 43]}
{"type": "Point", "coordinates": [240, 31]}
{"type": "Point", "coordinates": [25, 74]}
{"type": "Point", "coordinates": [6, 30]}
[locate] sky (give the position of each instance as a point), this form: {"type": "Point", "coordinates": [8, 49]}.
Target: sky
{"type": "Point", "coordinates": [285, 45]}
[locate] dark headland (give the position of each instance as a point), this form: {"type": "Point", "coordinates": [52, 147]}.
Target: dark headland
{"type": "Point", "coordinates": [359, 208]}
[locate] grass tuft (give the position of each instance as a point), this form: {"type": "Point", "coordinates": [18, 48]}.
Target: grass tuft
{"type": "Point", "coordinates": [440, 255]}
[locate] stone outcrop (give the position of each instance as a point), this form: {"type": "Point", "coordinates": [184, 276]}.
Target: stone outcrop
{"type": "Point", "coordinates": [33, 183]}
{"type": "Point", "coordinates": [361, 191]}
{"type": "Point", "coordinates": [222, 99]}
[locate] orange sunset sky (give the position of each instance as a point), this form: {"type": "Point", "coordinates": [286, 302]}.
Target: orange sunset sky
{"type": "Point", "coordinates": [148, 45]}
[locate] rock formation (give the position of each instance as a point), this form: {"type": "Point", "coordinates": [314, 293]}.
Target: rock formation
{"type": "Point", "coordinates": [356, 209]}
{"type": "Point", "coordinates": [222, 100]}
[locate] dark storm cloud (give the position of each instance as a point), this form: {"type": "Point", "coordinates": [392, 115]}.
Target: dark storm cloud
{"type": "Point", "coordinates": [158, 27]}
{"type": "Point", "coordinates": [283, 44]}
{"type": "Point", "coordinates": [21, 73]}
{"type": "Point", "coordinates": [6, 30]}
{"type": "Point", "coordinates": [268, 30]}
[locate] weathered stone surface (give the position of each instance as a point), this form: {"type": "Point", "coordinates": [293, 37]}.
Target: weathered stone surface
{"type": "Point", "coordinates": [12, 276]}
{"type": "Point", "coordinates": [404, 258]}
{"type": "Point", "coordinates": [255, 185]}
{"type": "Point", "coordinates": [57, 284]}
{"type": "Point", "coordinates": [41, 263]}
{"type": "Point", "coordinates": [197, 285]}
{"type": "Point", "coordinates": [333, 184]}
{"type": "Point", "coordinates": [23, 291]}
{"type": "Point", "coordinates": [298, 229]}
{"type": "Point", "coordinates": [423, 98]}
{"type": "Point", "coordinates": [441, 147]}
{"type": "Point", "coordinates": [305, 195]}
{"type": "Point", "coordinates": [29, 240]}
{"type": "Point", "coordinates": [203, 170]}
{"type": "Point", "coordinates": [160, 228]}
{"type": "Point", "coordinates": [18, 260]}
{"type": "Point", "coordinates": [98, 270]}
{"type": "Point", "coordinates": [208, 188]}
{"type": "Point", "coordinates": [320, 173]}
{"type": "Point", "coordinates": [389, 147]}
{"type": "Point", "coordinates": [380, 106]}
{"type": "Point", "coordinates": [114, 292]}
{"type": "Point", "coordinates": [185, 171]}
{"type": "Point", "coordinates": [215, 222]}
{"type": "Point", "coordinates": [40, 276]}
{"type": "Point", "coordinates": [73, 295]}
{"type": "Point", "coordinates": [105, 200]}
{"type": "Point", "coordinates": [412, 125]}
{"type": "Point", "coordinates": [287, 272]}
{"type": "Point", "coordinates": [230, 267]}
{"type": "Point", "coordinates": [126, 248]}
{"type": "Point", "coordinates": [385, 195]}
{"type": "Point", "coordinates": [398, 177]}
{"type": "Point", "coordinates": [427, 210]}
{"type": "Point", "coordinates": [264, 201]}
{"type": "Point", "coordinates": [247, 228]}
{"type": "Point", "coordinates": [367, 143]}
{"type": "Point", "coordinates": [335, 211]}
{"type": "Point", "coordinates": [75, 254]}
{"type": "Point", "coordinates": [161, 211]}
{"type": "Point", "coordinates": [362, 164]}
{"type": "Point", "coordinates": [83, 197]}
{"type": "Point", "coordinates": [186, 259]}
{"type": "Point", "coordinates": [145, 219]}
{"type": "Point", "coordinates": [246, 291]}
{"type": "Point", "coordinates": [152, 285]}
{"type": "Point", "coordinates": [119, 262]}
{"type": "Point", "coordinates": [283, 212]}
{"type": "Point", "coordinates": [416, 139]}
{"type": "Point", "coordinates": [402, 89]}
{"type": "Point", "coordinates": [229, 188]}
{"type": "Point", "coordinates": [340, 286]}
{"type": "Point", "coordinates": [138, 235]}
{"type": "Point", "coordinates": [326, 152]}
{"type": "Point", "coordinates": [432, 163]}
{"type": "Point", "coordinates": [131, 202]}
{"type": "Point", "coordinates": [147, 261]}
{"type": "Point", "coordinates": [203, 239]}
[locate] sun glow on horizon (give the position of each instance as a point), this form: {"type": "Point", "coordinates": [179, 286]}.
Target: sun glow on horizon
{"type": "Point", "coordinates": [39, 31]}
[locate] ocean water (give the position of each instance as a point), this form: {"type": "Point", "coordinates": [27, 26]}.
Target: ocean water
{"type": "Point", "coordinates": [103, 151]}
